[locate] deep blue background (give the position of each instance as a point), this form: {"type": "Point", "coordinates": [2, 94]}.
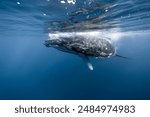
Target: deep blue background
{"type": "Point", "coordinates": [29, 70]}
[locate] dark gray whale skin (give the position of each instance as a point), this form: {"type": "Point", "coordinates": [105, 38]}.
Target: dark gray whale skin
{"type": "Point", "coordinates": [84, 47]}
{"type": "Point", "coordinates": [89, 47]}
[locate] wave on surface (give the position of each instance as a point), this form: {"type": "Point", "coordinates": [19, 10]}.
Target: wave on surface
{"type": "Point", "coordinates": [105, 18]}
{"type": "Point", "coordinates": [111, 18]}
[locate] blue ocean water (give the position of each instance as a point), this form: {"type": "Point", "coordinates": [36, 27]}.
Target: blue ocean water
{"type": "Point", "coordinates": [29, 70]}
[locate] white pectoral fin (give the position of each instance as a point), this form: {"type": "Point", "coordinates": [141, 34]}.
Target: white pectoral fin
{"type": "Point", "coordinates": [90, 66]}
{"type": "Point", "coordinates": [87, 61]}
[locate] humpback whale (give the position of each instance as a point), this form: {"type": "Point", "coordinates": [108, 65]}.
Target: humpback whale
{"type": "Point", "coordinates": [82, 44]}
{"type": "Point", "coordinates": [84, 33]}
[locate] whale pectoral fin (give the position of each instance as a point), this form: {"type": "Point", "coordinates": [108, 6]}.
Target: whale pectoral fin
{"type": "Point", "coordinates": [87, 61]}
{"type": "Point", "coordinates": [90, 66]}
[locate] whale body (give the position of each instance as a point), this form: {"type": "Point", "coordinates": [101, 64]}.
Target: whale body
{"type": "Point", "coordinates": [84, 46]}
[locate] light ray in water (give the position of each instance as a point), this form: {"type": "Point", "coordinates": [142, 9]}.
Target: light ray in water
{"type": "Point", "coordinates": [114, 36]}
